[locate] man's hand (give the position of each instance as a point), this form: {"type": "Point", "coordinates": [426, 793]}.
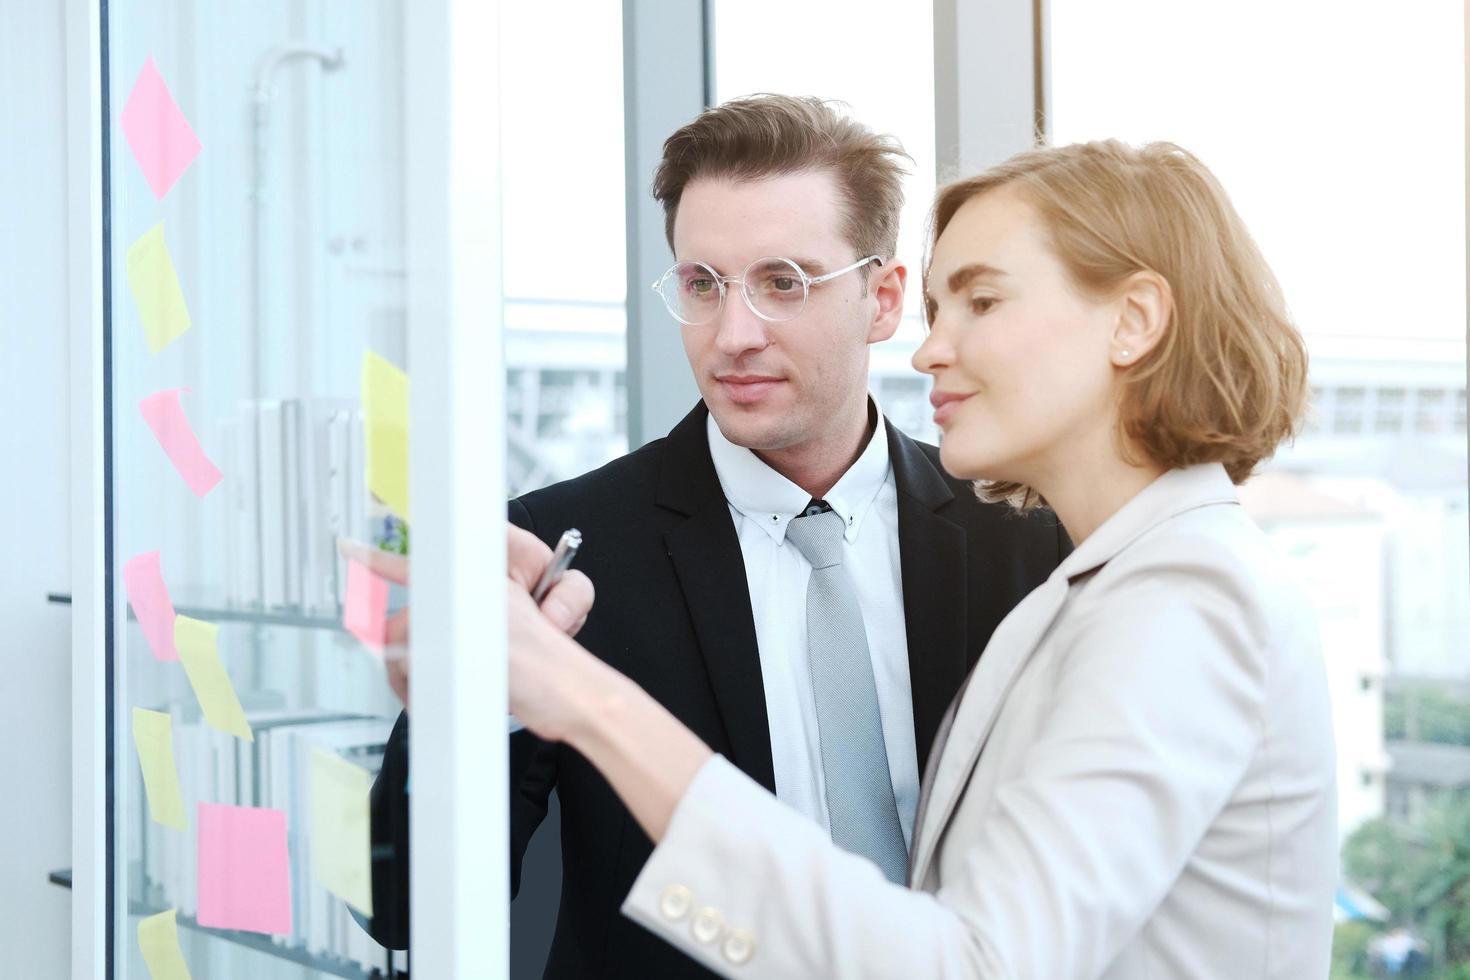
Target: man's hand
{"type": "Point", "coordinates": [569, 601]}
{"type": "Point", "coordinates": [566, 605]}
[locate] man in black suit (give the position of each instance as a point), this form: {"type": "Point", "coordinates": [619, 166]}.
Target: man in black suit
{"type": "Point", "coordinates": [783, 218]}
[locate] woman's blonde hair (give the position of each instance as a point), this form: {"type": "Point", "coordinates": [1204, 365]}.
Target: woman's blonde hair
{"type": "Point", "coordinates": [1227, 382]}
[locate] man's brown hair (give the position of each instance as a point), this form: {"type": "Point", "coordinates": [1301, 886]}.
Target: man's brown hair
{"type": "Point", "coordinates": [760, 136]}
{"type": "Point", "coordinates": [1228, 381]}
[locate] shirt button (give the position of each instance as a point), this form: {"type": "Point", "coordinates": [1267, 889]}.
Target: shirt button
{"type": "Point", "coordinates": [675, 902]}
{"type": "Point", "coordinates": [739, 946]}
{"type": "Point", "coordinates": [707, 925]}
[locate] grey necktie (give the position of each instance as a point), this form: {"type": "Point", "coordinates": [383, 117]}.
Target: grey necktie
{"type": "Point", "coordinates": [860, 800]}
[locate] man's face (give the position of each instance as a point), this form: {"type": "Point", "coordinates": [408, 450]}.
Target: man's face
{"type": "Point", "coordinates": [778, 386]}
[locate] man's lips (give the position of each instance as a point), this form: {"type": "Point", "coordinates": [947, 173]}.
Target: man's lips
{"type": "Point", "coordinates": [747, 389]}
{"type": "Point", "coordinates": [946, 403]}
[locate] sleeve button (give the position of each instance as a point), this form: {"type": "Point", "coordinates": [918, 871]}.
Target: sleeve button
{"type": "Point", "coordinates": [675, 902]}
{"type": "Point", "coordinates": [707, 925]}
{"type": "Point", "coordinates": [739, 946]}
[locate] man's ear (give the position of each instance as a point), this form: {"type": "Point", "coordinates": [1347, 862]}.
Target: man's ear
{"type": "Point", "coordinates": [1145, 310]}
{"type": "Point", "coordinates": [886, 283]}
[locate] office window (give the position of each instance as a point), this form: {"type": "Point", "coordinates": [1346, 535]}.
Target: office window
{"type": "Point", "coordinates": [879, 59]}
{"type": "Point", "coordinates": [1308, 114]}
{"type": "Point", "coordinates": [1348, 414]}
{"type": "Point", "coordinates": [1389, 410]}
{"type": "Point", "coordinates": [565, 264]}
{"type": "Point", "coordinates": [1431, 411]}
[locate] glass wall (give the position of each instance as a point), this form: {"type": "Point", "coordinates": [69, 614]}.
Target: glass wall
{"type": "Point", "coordinates": [565, 251]}
{"type": "Point", "coordinates": [1339, 132]}
{"type": "Point", "coordinates": [254, 196]}
{"type": "Point", "coordinates": [885, 75]}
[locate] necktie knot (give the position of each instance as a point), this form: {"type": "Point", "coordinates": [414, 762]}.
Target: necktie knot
{"type": "Point", "coordinates": [818, 537]}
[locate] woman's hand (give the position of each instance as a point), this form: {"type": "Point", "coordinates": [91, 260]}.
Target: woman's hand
{"type": "Point", "coordinates": [553, 681]}
{"type": "Point", "coordinates": [566, 605]}
{"type": "Point", "coordinates": [394, 568]}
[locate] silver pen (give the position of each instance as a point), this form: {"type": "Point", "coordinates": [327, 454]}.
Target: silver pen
{"type": "Point", "coordinates": [561, 560]}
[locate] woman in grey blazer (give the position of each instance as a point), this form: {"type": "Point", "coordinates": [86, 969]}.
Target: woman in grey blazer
{"type": "Point", "coordinates": [1137, 779]}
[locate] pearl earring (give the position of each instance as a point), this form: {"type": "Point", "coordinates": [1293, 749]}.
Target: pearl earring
{"type": "Point", "coordinates": [1124, 354]}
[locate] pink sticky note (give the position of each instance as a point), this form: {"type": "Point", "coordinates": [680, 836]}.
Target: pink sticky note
{"type": "Point", "coordinates": [162, 141]}
{"type": "Point", "coordinates": [143, 579]}
{"type": "Point", "coordinates": [365, 613]}
{"type": "Point", "coordinates": [244, 870]}
{"type": "Point", "coordinates": [165, 416]}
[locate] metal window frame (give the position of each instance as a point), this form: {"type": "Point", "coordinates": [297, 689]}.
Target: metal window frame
{"type": "Point", "coordinates": [93, 911]}
{"type": "Point", "coordinates": [992, 82]}
{"type": "Point", "coordinates": [666, 83]}
{"type": "Point", "coordinates": [459, 819]}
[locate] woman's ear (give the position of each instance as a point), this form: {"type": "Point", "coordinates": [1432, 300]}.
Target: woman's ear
{"type": "Point", "coordinates": [1146, 308]}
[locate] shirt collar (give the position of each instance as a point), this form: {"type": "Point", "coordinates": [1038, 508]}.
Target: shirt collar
{"type": "Point", "coordinates": [770, 500]}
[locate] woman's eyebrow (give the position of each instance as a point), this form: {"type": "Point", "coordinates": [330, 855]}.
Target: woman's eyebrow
{"type": "Point", "coordinates": [964, 275]}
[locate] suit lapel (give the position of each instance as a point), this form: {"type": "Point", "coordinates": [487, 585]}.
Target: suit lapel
{"type": "Point", "coordinates": [1012, 644]}
{"type": "Point", "coordinates": [707, 559]}
{"type": "Point", "coordinates": [932, 562]}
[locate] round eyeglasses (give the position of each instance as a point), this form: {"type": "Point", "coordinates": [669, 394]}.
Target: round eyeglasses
{"type": "Point", "coordinates": [774, 288]}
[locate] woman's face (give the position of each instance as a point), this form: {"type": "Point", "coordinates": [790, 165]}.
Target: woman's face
{"type": "Point", "coordinates": [1021, 360]}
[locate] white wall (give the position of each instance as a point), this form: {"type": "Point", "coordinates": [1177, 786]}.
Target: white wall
{"type": "Point", "coordinates": [35, 749]}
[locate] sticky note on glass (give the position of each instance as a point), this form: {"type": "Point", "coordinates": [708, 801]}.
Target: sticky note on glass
{"type": "Point", "coordinates": [158, 938]}
{"type": "Point", "coordinates": [385, 420]}
{"type": "Point", "coordinates": [365, 611]}
{"type": "Point", "coordinates": [155, 288]}
{"type": "Point", "coordinates": [153, 735]}
{"type": "Point", "coordinates": [198, 646]}
{"type": "Point", "coordinates": [244, 871]}
{"type": "Point", "coordinates": [143, 579]}
{"type": "Point", "coordinates": [157, 131]}
{"type": "Point", "coordinates": [341, 842]}
{"type": "Point", "coordinates": [165, 416]}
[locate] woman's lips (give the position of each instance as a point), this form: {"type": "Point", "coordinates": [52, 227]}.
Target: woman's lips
{"type": "Point", "coordinates": [946, 404]}
{"type": "Point", "coordinates": [748, 389]}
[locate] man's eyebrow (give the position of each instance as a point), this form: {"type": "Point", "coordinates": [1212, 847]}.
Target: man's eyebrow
{"type": "Point", "coordinates": [963, 276]}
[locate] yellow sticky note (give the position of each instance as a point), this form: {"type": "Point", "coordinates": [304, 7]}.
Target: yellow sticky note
{"type": "Point", "coordinates": [198, 646]}
{"type": "Point", "coordinates": [153, 735]}
{"type": "Point", "coordinates": [385, 421]}
{"type": "Point", "coordinates": [341, 842]}
{"type": "Point", "coordinates": [158, 938]}
{"type": "Point", "coordinates": [156, 290]}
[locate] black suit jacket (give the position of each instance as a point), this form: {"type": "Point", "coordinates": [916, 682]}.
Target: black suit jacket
{"type": "Point", "coordinates": [673, 613]}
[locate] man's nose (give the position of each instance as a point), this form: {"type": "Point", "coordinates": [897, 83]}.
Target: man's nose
{"type": "Point", "coordinates": [738, 329]}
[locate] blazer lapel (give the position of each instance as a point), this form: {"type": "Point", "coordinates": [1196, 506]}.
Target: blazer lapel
{"type": "Point", "coordinates": [932, 562]}
{"type": "Point", "coordinates": [707, 559]}
{"type": "Point", "coordinates": [955, 754]}
{"type": "Point", "coordinates": [975, 712]}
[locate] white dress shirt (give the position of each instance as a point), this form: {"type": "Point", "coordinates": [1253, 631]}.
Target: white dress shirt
{"type": "Point", "coordinates": [762, 503]}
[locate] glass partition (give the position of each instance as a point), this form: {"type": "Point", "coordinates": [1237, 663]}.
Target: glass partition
{"type": "Point", "coordinates": [255, 206]}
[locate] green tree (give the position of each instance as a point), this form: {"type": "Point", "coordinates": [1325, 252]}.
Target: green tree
{"type": "Point", "coordinates": [1422, 875]}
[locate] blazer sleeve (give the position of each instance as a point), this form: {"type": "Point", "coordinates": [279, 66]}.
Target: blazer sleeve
{"type": "Point", "coordinates": [388, 816]}
{"type": "Point", "coordinates": [533, 765]}
{"type": "Point", "coordinates": [1151, 724]}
